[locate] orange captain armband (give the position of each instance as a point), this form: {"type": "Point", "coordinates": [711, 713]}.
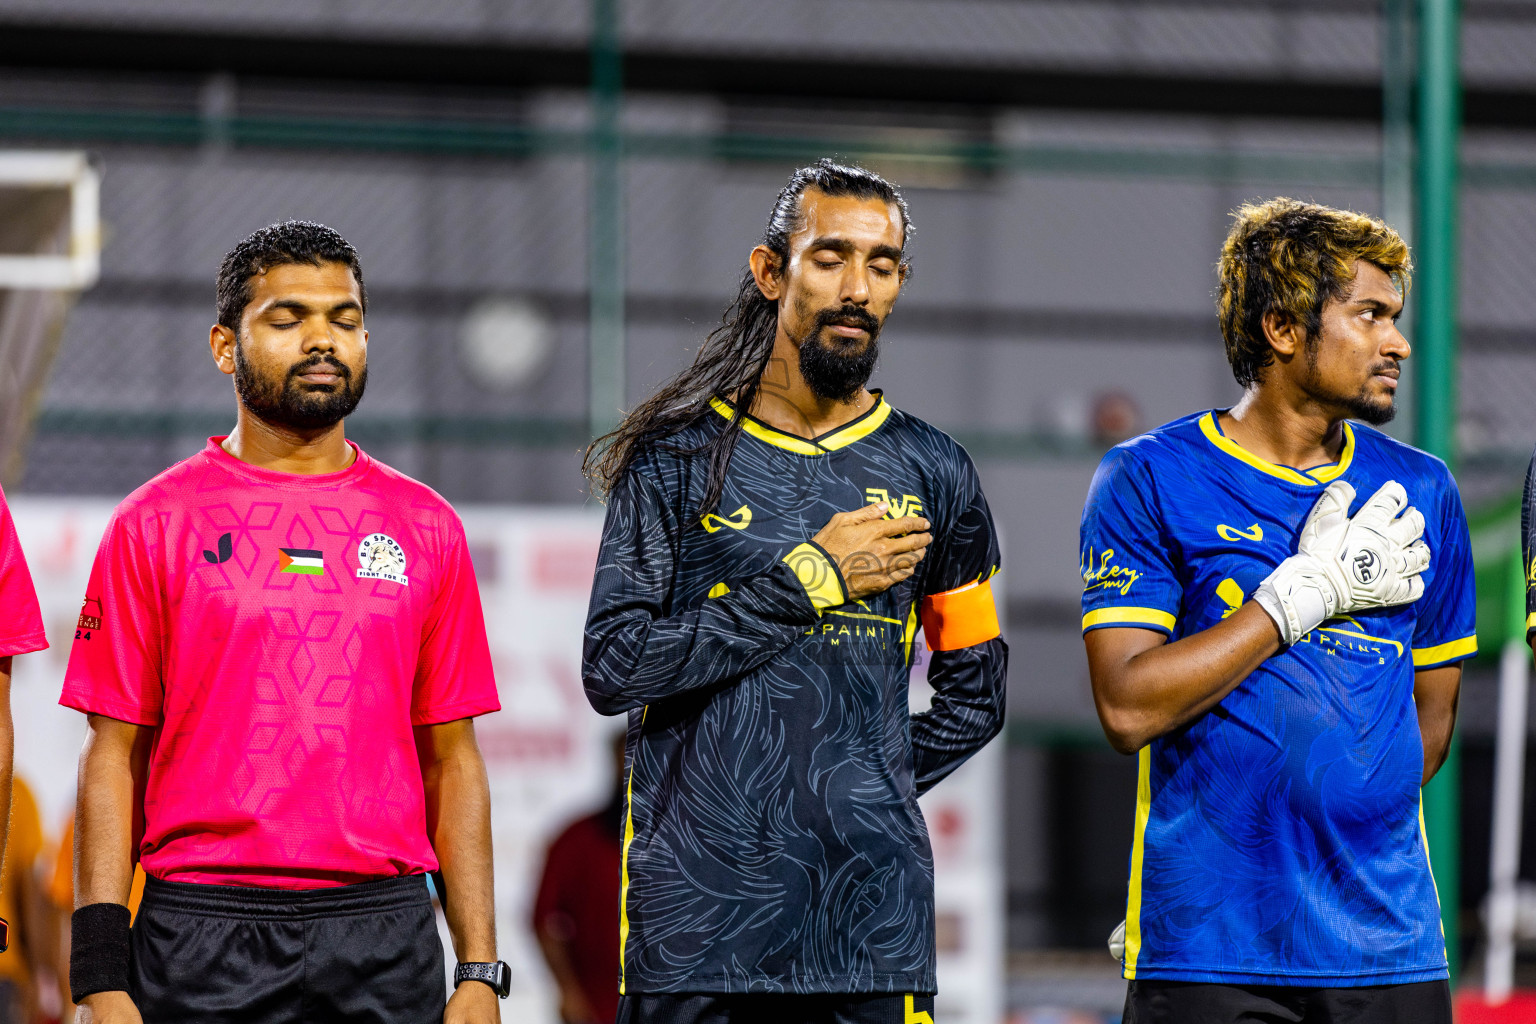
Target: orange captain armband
{"type": "Point", "coordinates": [963, 617]}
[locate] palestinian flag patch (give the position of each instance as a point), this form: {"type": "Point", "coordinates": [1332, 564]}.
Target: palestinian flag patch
{"type": "Point", "coordinates": [302, 561]}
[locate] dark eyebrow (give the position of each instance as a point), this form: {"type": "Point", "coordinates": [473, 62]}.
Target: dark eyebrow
{"type": "Point", "coordinates": [845, 247]}
{"type": "Point", "coordinates": [300, 308]}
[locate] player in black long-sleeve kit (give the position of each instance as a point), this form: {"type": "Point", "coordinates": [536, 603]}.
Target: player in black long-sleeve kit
{"type": "Point", "coordinates": [1528, 539]}
{"type": "Point", "coordinates": [776, 533]}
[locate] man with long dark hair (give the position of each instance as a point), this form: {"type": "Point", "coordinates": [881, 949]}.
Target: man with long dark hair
{"type": "Point", "coordinates": [775, 534]}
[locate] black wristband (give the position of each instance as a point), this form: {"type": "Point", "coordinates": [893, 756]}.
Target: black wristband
{"type": "Point", "coordinates": [98, 950]}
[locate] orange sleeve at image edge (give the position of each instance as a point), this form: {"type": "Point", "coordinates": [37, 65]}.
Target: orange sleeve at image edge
{"type": "Point", "coordinates": [960, 618]}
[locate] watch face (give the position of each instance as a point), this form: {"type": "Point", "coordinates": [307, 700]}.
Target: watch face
{"type": "Point", "coordinates": [503, 979]}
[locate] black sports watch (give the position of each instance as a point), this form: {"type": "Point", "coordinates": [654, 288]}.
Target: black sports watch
{"type": "Point", "coordinates": [497, 975]}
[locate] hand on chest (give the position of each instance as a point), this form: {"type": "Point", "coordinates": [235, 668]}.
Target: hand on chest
{"type": "Point", "coordinates": [760, 519]}
{"type": "Point", "coordinates": [1230, 548]}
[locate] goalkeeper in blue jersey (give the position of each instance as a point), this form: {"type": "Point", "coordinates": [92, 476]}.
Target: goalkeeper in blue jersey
{"type": "Point", "coordinates": [1277, 599]}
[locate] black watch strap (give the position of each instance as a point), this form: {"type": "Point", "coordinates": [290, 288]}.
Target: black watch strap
{"type": "Point", "coordinates": [497, 975]}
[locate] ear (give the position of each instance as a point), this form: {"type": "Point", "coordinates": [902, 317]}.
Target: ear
{"type": "Point", "coordinates": [1284, 333]}
{"type": "Point", "coordinates": [222, 342]}
{"type": "Point", "coordinates": [766, 272]}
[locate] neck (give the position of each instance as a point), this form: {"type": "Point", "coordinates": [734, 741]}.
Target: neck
{"type": "Point", "coordinates": [288, 449]}
{"type": "Point", "coordinates": [786, 402]}
{"type": "Point", "coordinates": [1287, 429]}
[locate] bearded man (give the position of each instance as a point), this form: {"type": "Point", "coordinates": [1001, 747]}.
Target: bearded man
{"type": "Point", "coordinates": [287, 654]}
{"type": "Point", "coordinates": [775, 534]}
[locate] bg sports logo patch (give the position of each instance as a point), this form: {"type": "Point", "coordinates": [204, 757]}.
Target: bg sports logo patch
{"type": "Point", "coordinates": [380, 558]}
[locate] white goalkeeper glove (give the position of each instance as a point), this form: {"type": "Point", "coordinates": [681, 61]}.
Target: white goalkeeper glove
{"type": "Point", "coordinates": [1343, 565]}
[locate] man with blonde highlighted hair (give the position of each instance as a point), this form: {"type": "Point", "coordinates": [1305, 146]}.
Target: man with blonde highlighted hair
{"type": "Point", "coordinates": [1276, 605]}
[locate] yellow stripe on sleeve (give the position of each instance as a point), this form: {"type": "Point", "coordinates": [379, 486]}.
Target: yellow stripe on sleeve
{"type": "Point", "coordinates": [1424, 657]}
{"type": "Point", "coordinates": [629, 838]}
{"type": "Point", "coordinates": [818, 576]}
{"type": "Point", "coordinates": [1127, 616]}
{"type": "Point", "coordinates": [1138, 852]}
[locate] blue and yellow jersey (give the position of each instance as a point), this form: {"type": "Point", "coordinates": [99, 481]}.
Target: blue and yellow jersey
{"type": "Point", "coordinates": [1278, 837]}
{"type": "Point", "coordinates": [1528, 546]}
{"type": "Point", "coordinates": [772, 836]}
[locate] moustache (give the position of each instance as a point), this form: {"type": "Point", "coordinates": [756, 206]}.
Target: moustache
{"type": "Point", "coordinates": [847, 316]}
{"type": "Point", "coordinates": [322, 364]}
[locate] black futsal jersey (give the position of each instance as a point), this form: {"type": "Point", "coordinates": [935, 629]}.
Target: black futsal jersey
{"type": "Point", "coordinates": [772, 841]}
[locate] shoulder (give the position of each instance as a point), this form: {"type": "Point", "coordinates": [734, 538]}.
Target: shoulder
{"type": "Point", "coordinates": [1174, 443]}
{"type": "Point", "coordinates": [401, 487]}
{"type": "Point", "coordinates": [1176, 440]}
{"type": "Point", "coordinates": [1413, 467]}
{"type": "Point", "coordinates": [927, 438]}
{"type": "Point", "coordinates": [403, 491]}
{"type": "Point", "coordinates": [167, 493]}
{"type": "Point", "coordinates": [937, 452]}
{"type": "Point", "coordinates": [668, 465]}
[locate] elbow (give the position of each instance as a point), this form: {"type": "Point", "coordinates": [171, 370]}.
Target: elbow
{"type": "Point", "coordinates": [999, 715]}
{"type": "Point", "coordinates": [1126, 730]}
{"type": "Point", "coordinates": [605, 696]}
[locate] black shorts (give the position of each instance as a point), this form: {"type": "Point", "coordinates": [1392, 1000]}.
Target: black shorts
{"type": "Point", "coordinates": [707, 1008]}
{"type": "Point", "coordinates": [1188, 1002]}
{"type": "Point", "coordinates": [214, 953]}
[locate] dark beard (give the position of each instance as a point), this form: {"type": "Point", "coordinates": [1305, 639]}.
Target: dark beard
{"type": "Point", "coordinates": [1358, 406]}
{"type": "Point", "coordinates": [292, 404]}
{"type": "Point", "coordinates": [829, 370]}
{"type": "Point", "coordinates": [1363, 409]}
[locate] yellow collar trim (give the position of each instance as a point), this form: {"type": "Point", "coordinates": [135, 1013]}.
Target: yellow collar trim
{"type": "Point", "coordinates": [1307, 478]}
{"type": "Point", "coordinates": [839, 437]}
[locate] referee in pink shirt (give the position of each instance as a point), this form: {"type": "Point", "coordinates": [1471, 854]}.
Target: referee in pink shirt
{"type": "Point", "coordinates": [281, 654]}
{"type": "Point", "coordinates": [21, 632]}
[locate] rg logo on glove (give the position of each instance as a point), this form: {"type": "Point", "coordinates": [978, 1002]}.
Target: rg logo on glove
{"type": "Point", "coordinates": [1365, 566]}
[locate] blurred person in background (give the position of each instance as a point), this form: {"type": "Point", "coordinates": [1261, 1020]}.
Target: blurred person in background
{"type": "Point", "coordinates": [21, 632]}
{"type": "Point", "coordinates": [30, 958]}
{"type": "Point", "coordinates": [1276, 605]}
{"type": "Point", "coordinates": [576, 909]}
{"type": "Point", "coordinates": [281, 691]}
{"type": "Point", "coordinates": [775, 533]}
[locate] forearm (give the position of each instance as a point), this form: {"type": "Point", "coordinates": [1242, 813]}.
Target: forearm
{"type": "Point", "coordinates": [1436, 696]}
{"type": "Point", "coordinates": [7, 757]}
{"type": "Point", "coordinates": [632, 657]}
{"type": "Point", "coordinates": [459, 821]}
{"type": "Point", "coordinates": [112, 769]}
{"type": "Point", "coordinates": [1142, 694]}
{"type": "Point", "coordinates": [968, 709]}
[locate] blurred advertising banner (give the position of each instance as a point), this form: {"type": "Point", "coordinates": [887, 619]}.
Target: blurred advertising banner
{"type": "Point", "coordinates": [547, 752]}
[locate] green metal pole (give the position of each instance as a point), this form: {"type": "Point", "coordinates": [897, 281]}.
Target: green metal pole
{"type": "Point", "coordinates": [1439, 128]}
{"type": "Point", "coordinates": [1397, 66]}
{"type": "Point", "coordinates": [605, 228]}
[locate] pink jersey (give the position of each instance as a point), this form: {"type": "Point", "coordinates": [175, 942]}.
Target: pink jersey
{"type": "Point", "coordinates": [284, 632]}
{"type": "Point", "coordinates": [21, 624]}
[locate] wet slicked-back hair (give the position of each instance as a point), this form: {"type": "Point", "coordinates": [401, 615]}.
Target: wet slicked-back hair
{"type": "Point", "coordinates": [1290, 257]}
{"type": "Point", "coordinates": [292, 241]}
{"type": "Point", "coordinates": [732, 359]}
